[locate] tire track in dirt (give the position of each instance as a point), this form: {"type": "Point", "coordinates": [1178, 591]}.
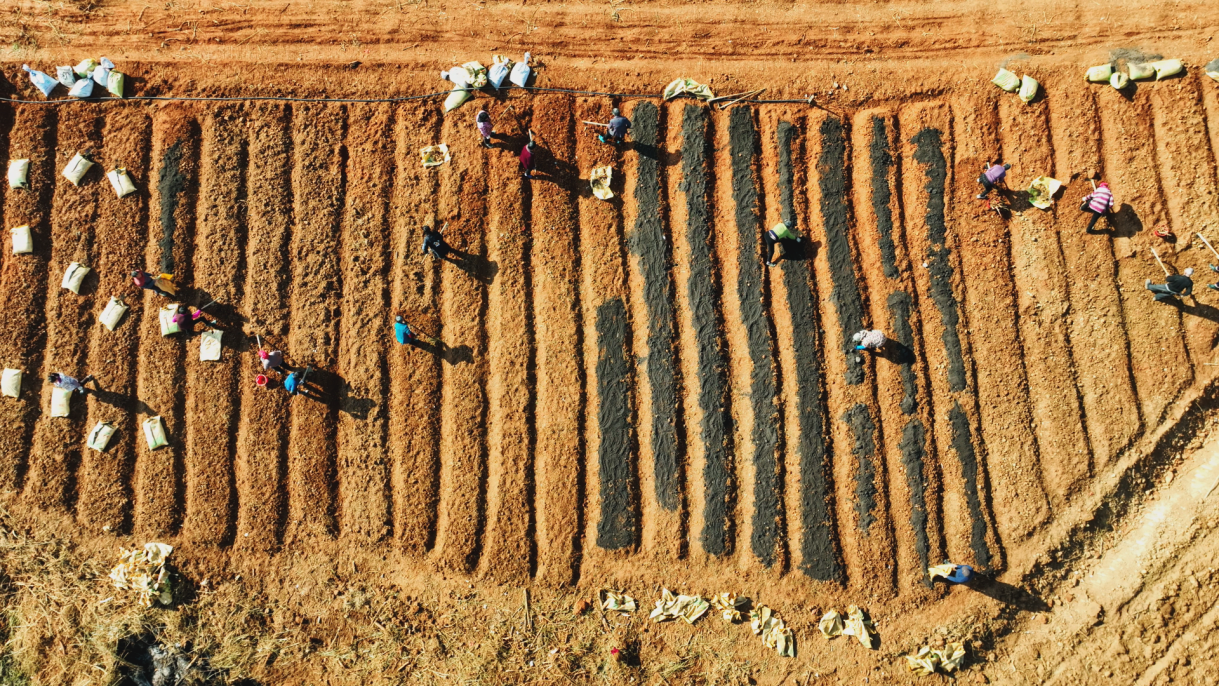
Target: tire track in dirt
{"type": "Point", "coordinates": [24, 283]}
{"type": "Point", "coordinates": [318, 185]}
{"type": "Point", "coordinates": [604, 292]}
{"type": "Point", "coordinates": [463, 309]}
{"type": "Point", "coordinates": [754, 390]}
{"type": "Point", "coordinates": [1042, 299]}
{"type": "Point", "coordinates": [969, 530]}
{"type": "Point", "coordinates": [59, 442]}
{"type": "Point", "coordinates": [509, 551]}
{"type": "Point", "coordinates": [661, 444]}
{"type": "Point", "coordinates": [859, 477]}
{"type": "Point", "coordinates": [1187, 175]}
{"type": "Point", "coordinates": [106, 478]}
{"type": "Point", "coordinates": [1157, 348]}
{"type": "Point", "coordinates": [902, 393]}
{"type": "Point", "coordinates": [414, 371]}
{"type": "Point", "coordinates": [556, 259]}
{"type": "Point", "coordinates": [159, 474]}
{"type": "Point", "coordinates": [262, 434]}
{"type": "Point", "coordinates": [363, 466]}
{"type": "Point", "coordinates": [798, 339]}
{"type": "Point", "coordinates": [1102, 351]}
{"type": "Point", "coordinates": [717, 533]}
{"type": "Point", "coordinates": [212, 408]}
{"type": "Point", "coordinates": [1004, 408]}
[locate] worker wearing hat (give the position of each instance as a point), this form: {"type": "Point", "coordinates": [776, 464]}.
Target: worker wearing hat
{"type": "Point", "coordinates": [618, 126]}
{"type": "Point", "coordinates": [1175, 286]}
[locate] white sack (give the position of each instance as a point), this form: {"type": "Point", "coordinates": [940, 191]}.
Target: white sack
{"type": "Point", "coordinates": [166, 317]}
{"type": "Point", "coordinates": [154, 433]}
{"type": "Point", "coordinates": [115, 82]}
{"type": "Point", "coordinates": [1006, 80]}
{"type": "Point", "coordinates": [23, 244]}
{"type": "Point", "coordinates": [75, 276]}
{"type": "Point", "coordinates": [1140, 71]}
{"type": "Point", "coordinates": [41, 81]}
{"type": "Point", "coordinates": [1100, 74]}
{"type": "Point", "coordinates": [1167, 68]}
{"type": "Point", "coordinates": [61, 400]}
{"type": "Point", "coordinates": [113, 313]}
{"type": "Point", "coordinates": [77, 167]}
{"type": "Point", "coordinates": [19, 174]}
{"type": "Point", "coordinates": [520, 72]}
{"type": "Point", "coordinates": [121, 181]}
{"type": "Point", "coordinates": [65, 75]}
{"type": "Point", "coordinates": [82, 89]}
{"type": "Point", "coordinates": [10, 383]}
{"type": "Point", "coordinates": [209, 345]}
{"type": "Point", "coordinates": [99, 437]}
{"type": "Point", "coordinates": [1028, 89]}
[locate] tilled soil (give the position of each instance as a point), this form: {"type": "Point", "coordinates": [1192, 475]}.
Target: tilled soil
{"type": "Point", "coordinates": [617, 393]}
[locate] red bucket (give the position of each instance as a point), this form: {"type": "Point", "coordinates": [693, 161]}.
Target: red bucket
{"type": "Point", "coordinates": [261, 380]}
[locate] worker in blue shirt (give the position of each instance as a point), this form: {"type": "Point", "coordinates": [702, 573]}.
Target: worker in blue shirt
{"type": "Point", "coordinates": [402, 331]}
{"type": "Point", "coordinates": [295, 383]}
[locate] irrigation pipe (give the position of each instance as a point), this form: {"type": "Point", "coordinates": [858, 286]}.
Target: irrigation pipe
{"type": "Point", "coordinates": [406, 98]}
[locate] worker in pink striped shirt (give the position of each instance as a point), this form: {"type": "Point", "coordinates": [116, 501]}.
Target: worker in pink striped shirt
{"type": "Point", "coordinates": [1098, 203]}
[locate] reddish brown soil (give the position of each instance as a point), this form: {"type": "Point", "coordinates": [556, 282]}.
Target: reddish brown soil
{"type": "Point", "coordinates": [476, 458]}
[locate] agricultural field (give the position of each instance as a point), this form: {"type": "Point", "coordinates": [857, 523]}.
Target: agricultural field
{"type": "Point", "coordinates": [621, 394]}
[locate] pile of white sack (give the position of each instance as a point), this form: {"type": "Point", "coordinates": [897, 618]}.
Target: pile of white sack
{"type": "Point", "coordinates": [81, 79]}
{"type": "Point", "coordinates": [473, 75]}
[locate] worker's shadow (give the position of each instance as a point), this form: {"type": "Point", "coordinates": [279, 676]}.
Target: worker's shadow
{"type": "Point", "coordinates": [1198, 309]}
{"type": "Point", "coordinates": [454, 355]}
{"type": "Point", "coordinates": [476, 267]}
{"type": "Point", "coordinates": [794, 251]}
{"type": "Point", "coordinates": [1124, 223]}
{"type": "Point", "coordinates": [1008, 594]}
{"type": "Point", "coordinates": [511, 142]}
{"type": "Point", "coordinates": [897, 352]}
{"type": "Point", "coordinates": [561, 173]}
{"type": "Point", "coordinates": [225, 314]}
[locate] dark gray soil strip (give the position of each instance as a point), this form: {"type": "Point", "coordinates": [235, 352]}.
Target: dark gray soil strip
{"type": "Point", "coordinates": [818, 552]}
{"type": "Point", "coordinates": [930, 153]}
{"type": "Point", "coordinates": [648, 241]}
{"type": "Point", "coordinates": [172, 183]}
{"type": "Point", "coordinates": [712, 365]}
{"type": "Point", "coordinates": [903, 352]}
{"type": "Point", "coordinates": [863, 429]}
{"type": "Point", "coordinates": [962, 443]}
{"type": "Point", "coordinates": [616, 529]}
{"type": "Point", "coordinates": [834, 208]}
{"type": "Point", "coordinates": [767, 492]}
{"type": "Point", "coordinates": [914, 440]}
{"type": "Point", "coordinates": [882, 162]}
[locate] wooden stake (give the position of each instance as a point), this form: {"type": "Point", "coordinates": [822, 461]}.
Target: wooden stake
{"type": "Point", "coordinates": [1093, 185]}
{"type": "Point", "coordinates": [595, 123]}
{"type": "Point", "coordinates": [259, 339]}
{"type": "Point", "coordinates": [1208, 243]}
{"type": "Point", "coordinates": [1157, 255]}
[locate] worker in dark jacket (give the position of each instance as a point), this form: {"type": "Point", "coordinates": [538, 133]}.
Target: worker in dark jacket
{"type": "Point", "coordinates": [618, 126]}
{"type": "Point", "coordinates": [1176, 286]}
{"type": "Point", "coordinates": [433, 242]}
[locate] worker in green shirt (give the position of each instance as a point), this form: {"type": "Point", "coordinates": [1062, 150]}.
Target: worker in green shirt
{"type": "Point", "coordinates": [779, 233]}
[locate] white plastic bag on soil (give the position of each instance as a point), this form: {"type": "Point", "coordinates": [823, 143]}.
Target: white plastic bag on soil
{"type": "Point", "coordinates": [520, 72]}
{"type": "Point", "coordinates": [61, 402]}
{"type": "Point", "coordinates": [1140, 71]}
{"type": "Point", "coordinates": [166, 317]}
{"type": "Point", "coordinates": [74, 276]}
{"type": "Point", "coordinates": [1100, 74]}
{"type": "Point", "coordinates": [1006, 80]}
{"type": "Point", "coordinates": [10, 383]}
{"type": "Point", "coordinates": [113, 313]}
{"type": "Point", "coordinates": [154, 433]}
{"type": "Point", "coordinates": [1119, 80]}
{"type": "Point", "coordinates": [99, 437]}
{"type": "Point", "coordinates": [85, 67]}
{"type": "Point", "coordinates": [65, 75]}
{"type": "Point", "coordinates": [456, 98]}
{"type": "Point", "coordinates": [41, 81]}
{"type": "Point", "coordinates": [209, 345]}
{"type": "Point", "coordinates": [1167, 68]}
{"type": "Point", "coordinates": [76, 169]}
{"type": "Point", "coordinates": [499, 70]}
{"type": "Point", "coordinates": [121, 181]}
{"type": "Point", "coordinates": [19, 174]}
{"type": "Point", "coordinates": [1028, 89]}
{"type": "Point", "coordinates": [115, 82]}
{"type": "Point", "coordinates": [1212, 69]}
{"type": "Point", "coordinates": [23, 244]}
{"type": "Point", "coordinates": [102, 73]}
{"type": "Point", "coordinates": [82, 89]}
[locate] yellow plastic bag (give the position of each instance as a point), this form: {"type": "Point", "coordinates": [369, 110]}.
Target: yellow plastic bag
{"type": "Point", "coordinates": [1006, 80]}
{"type": "Point", "coordinates": [775, 634]}
{"type": "Point", "coordinates": [687, 87]}
{"type": "Point", "coordinates": [1167, 68]}
{"type": "Point", "coordinates": [1100, 74]}
{"type": "Point", "coordinates": [618, 602]}
{"type": "Point", "coordinates": [830, 624]}
{"type": "Point", "coordinates": [1042, 190]}
{"type": "Point", "coordinates": [1140, 71]}
{"type": "Point", "coordinates": [435, 155]}
{"type": "Point", "coordinates": [859, 626]}
{"type": "Point", "coordinates": [599, 179]}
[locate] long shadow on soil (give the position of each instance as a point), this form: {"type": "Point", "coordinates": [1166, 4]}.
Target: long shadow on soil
{"type": "Point", "coordinates": [1008, 594]}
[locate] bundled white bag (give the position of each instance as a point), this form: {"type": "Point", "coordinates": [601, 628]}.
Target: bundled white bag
{"type": "Point", "coordinates": [75, 276]}
{"type": "Point", "coordinates": [77, 167]}
{"type": "Point", "coordinates": [115, 82]}
{"type": "Point", "coordinates": [23, 244]}
{"type": "Point", "coordinates": [99, 437]}
{"type": "Point", "coordinates": [1119, 80]}
{"type": "Point", "coordinates": [65, 75]}
{"type": "Point", "coordinates": [85, 67]}
{"type": "Point", "coordinates": [500, 67]}
{"type": "Point", "coordinates": [1212, 69]}
{"type": "Point", "coordinates": [113, 313]}
{"type": "Point", "coordinates": [1006, 80]}
{"type": "Point", "coordinates": [18, 174]}
{"type": "Point", "coordinates": [102, 73]}
{"type": "Point", "coordinates": [154, 433]}
{"type": "Point", "coordinates": [209, 345]}
{"type": "Point", "coordinates": [41, 81]}
{"type": "Point", "coordinates": [10, 383]}
{"type": "Point", "coordinates": [1100, 74]}
{"type": "Point", "coordinates": [520, 72]}
{"type": "Point", "coordinates": [61, 402]}
{"type": "Point", "coordinates": [456, 98]}
{"type": "Point", "coordinates": [121, 180]}
{"type": "Point", "coordinates": [1167, 68]}
{"type": "Point", "coordinates": [166, 316]}
{"type": "Point", "coordinates": [82, 89]}
{"type": "Point", "coordinates": [1140, 71]}
{"type": "Point", "coordinates": [1028, 89]}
